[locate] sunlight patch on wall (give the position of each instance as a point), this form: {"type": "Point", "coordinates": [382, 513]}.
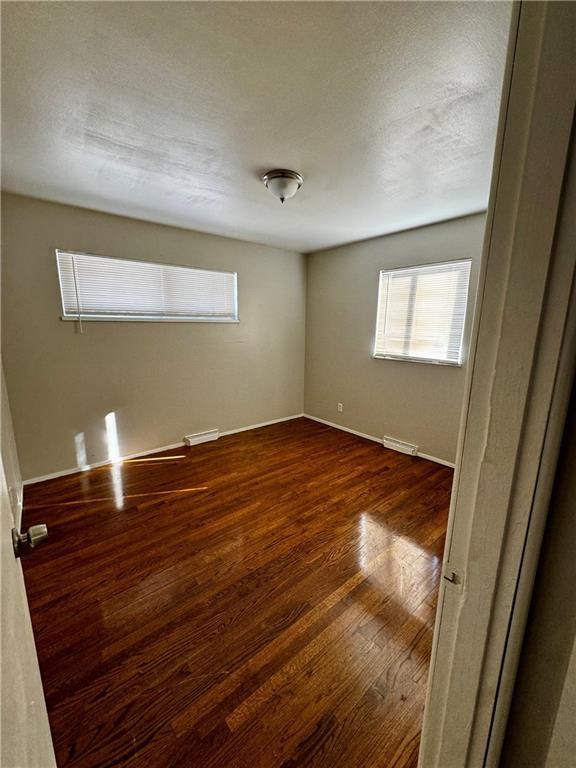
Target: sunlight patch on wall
{"type": "Point", "coordinates": [81, 458]}
{"type": "Point", "coordinates": [114, 457]}
{"type": "Point", "coordinates": [112, 437]}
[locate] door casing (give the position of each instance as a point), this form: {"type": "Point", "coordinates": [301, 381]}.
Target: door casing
{"type": "Point", "coordinates": [519, 379]}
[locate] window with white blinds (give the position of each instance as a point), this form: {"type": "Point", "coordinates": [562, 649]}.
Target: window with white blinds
{"type": "Point", "coordinates": [105, 288]}
{"type": "Point", "coordinates": [421, 313]}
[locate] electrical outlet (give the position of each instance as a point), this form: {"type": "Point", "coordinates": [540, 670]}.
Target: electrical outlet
{"type": "Point", "coordinates": [340, 407]}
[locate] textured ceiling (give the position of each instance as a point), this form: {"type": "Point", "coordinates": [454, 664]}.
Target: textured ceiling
{"type": "Point", "coordinates": [170, 111]}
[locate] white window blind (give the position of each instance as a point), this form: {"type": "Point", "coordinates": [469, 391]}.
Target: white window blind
{"type": "Point", "coordinates": [105, 288]}
{"type": "Point", "coordinates": [421, 313]}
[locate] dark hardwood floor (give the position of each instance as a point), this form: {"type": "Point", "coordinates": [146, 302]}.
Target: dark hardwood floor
{"type": "Point", "coordinates": [262, 601]}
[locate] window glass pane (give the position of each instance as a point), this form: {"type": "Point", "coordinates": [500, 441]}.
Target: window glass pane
{"type": "Point", "coordinates": [100, 287]}
{"type": "Point", "coordinates": [421, 312]}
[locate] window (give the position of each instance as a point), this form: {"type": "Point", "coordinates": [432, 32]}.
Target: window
{"type": "Point", "coordinates": [104, 288]}
{"type": "Point", "coordinates": [421, 313]}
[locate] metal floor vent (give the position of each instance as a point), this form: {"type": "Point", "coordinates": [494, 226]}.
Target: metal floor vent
{"type": "Point", "coordinates": [202, 437]}
{"type": "Point", "coordinates": [399, 445]}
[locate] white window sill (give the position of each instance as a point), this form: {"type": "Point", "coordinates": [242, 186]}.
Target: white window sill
{"type": "Point", "coordinates": [406, 359]}
{"type": "Point", "coordinates": [127, 319]}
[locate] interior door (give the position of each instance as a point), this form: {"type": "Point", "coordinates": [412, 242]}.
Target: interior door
{"type": "Point", "coordinates": [25, 740]}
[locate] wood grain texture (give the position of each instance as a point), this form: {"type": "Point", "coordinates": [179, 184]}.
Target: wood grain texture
{"type": "Point", "coordinates": [264, 601]}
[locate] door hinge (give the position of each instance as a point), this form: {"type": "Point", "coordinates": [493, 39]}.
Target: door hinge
{"type": "Point", "coordinates": [453, 576]}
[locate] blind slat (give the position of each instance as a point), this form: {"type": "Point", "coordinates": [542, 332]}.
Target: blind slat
{"type": "Point", "coordinates": [101, 287]}
{"type": "Point", "coordinates": [422, 311]}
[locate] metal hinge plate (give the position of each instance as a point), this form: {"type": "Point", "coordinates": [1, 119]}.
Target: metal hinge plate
{"type": "Point", "coordinates": [453, 576]}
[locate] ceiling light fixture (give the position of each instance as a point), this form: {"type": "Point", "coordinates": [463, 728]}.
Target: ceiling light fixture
{"type": "Point", "coordinates": [283, 183]}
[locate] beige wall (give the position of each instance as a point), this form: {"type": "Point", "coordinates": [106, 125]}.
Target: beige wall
{"type": "Point", "coordinates": [414, 402]}
{"type": "Point", "coordinates": [162, 380]}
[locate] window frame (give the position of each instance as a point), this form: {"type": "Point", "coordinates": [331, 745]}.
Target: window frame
{"type": "Point", "coordinates": [425, 360]}
{"type": "Point", "coordinates": [80, 317]}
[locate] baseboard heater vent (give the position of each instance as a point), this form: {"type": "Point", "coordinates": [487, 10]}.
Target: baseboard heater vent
{"type": "Point", "coordinates": [202, 437]}
{"type": "Point", "coordinates": [399, 445]}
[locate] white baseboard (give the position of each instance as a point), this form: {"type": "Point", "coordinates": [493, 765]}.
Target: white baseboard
{"type": "Point", "coordinates": [344, 429]}
{"type": "Point", "coordinates": [375, 439]}
{"type": "Point", "coordinates": [436, 459]}
{"type": "Point", "coordinates": [180, 444]}
{"type": "Point", "coordinates": [78, 470]}
{"type": "Point", "coordinates": [262, 424]}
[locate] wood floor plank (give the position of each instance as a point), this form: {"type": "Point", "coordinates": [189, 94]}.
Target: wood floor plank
{"type": "Point", "coordinates": [263, 601]}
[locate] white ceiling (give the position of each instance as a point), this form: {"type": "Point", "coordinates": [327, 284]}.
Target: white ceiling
{"type": "Point", "coordinates": [169, 112]}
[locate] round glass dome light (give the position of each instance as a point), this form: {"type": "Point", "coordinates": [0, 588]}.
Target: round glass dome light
{"type": "Point", "coordinates": [283, 183]}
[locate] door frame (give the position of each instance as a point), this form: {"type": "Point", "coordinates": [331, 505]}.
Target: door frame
{"type": "Point", "coordinates": [522, 357]}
